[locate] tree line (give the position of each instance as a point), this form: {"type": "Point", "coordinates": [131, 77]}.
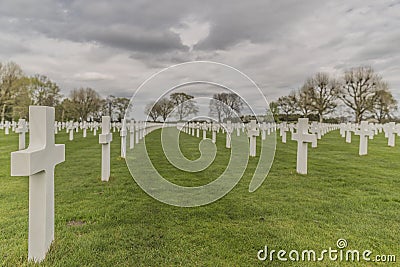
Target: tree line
{"type": "Point", "coordinates": [360, 90]}
{"type": "Point", "coordinates": [222, 106]}
{"type": "Point", "coordinates": [18, 91]}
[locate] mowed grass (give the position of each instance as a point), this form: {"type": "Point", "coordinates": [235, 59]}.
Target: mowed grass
{"type": "Point", "coordinates": [117, 224]}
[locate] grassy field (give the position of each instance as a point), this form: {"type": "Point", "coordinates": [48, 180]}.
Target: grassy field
{"type": "Point", "coordinates": [117, 224]}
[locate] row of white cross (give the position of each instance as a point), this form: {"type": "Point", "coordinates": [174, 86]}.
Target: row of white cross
{"type": "Point", "coordinates": [40, 158]}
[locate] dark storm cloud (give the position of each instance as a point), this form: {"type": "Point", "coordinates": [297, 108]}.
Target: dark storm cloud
{"type": "Point", "coordinates": [278, 43]}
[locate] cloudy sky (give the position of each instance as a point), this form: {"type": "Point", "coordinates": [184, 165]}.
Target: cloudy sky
{"type": "Point", "coordinates": [113, 46]}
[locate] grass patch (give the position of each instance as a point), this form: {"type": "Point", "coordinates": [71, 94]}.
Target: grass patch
{"type": "Point", "coordinates": [116, 223]}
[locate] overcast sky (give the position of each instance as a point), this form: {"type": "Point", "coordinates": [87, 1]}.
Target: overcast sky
{"type": "Point", "coordinates": [113, 46]}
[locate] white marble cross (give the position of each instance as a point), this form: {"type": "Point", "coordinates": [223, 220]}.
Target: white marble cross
{"type": "Point", "coordinates": [348, 132]}
{"type": "Point", "coordinates": [84, 129]}
{"type": "Point", "coordinates": [252, 133]}
{"type": "Point", "coordinates": [38, 162]}
{"type": "Point", "coordinates": [138, 130]}
{"type": "Point", "coordinates": [282, 131]}
{"type": "Point", "coordinates": [229, 130]}
{"type": "Point", "coordinates": [105, 139]}
{"type": "Point", "coordinates": [71, 131]}
{"type": "Point", "coordinates": [204, 128]}
{"type": "Point", "coordinates": [214, 129]}
{"type": "Point", "coordinates": [21, 130]}
{"type": "Point", "coordinates": [7, 128]}
{"type": "Point", "coordinates": [123, 133]}
{"type": "Point", "coordinates": [131, 134]}
{"type": "Point", "coordinates": [238, 127]}
{"type": "Point", "coordinates": [391, 132]}
{"type": "Point", "coordinates": [302, 137]}
{"type": "Point", "coordinates": [263, 130]}
{"type": "Point", "coordinates": [197, 129]}
{"type": "Point", "coordinates": [364, 133]}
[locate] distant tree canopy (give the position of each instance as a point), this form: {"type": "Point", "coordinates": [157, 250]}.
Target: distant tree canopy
{"type": "Point", "coordinates": [225, 105]}
{"type": "Point", "coordinates": [360, 89]}
{"type": "Point", "coordinates": [18, 91]}
{"type": "Point", "coordinates": [181, 104]}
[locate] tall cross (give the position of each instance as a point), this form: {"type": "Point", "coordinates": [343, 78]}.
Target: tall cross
{"type": "Point", "coordinates": [131, 134]}
{"type": "Point", "coordinates": [229, 130]}
{"type": "Point", "coordinates": [252, 133]}
{"type": "Point", "coordinates": [38, 162]}
{"type": "Point", "coordinates": [303, 137]}
{"type": "Point", "coordinates": [391, 132]}
{"type": "Point", "coordinates": [105, 139]}
{"type": "Point", "coordinates": [364, 133]}
{"type": "Point", "coordinates": [21, 130]}
{"type": "Point", "coordinates": [123, 133]}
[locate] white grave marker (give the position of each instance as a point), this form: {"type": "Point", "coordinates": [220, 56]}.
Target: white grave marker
{"type": "Point", "coordinates": [303, 137]}
{"type": "Point", "coordinates": [123, 133]}
{"type": "Point", "coordinates": [105, 139]}
{"type": "Point", "coordinates": [252, 133]}
{"type": "Point", "coordinates": [38, 162]}
{"type": "Point", "coordinates": [21, 130]}
{"type": "Point", "coordinates": [364, 133]}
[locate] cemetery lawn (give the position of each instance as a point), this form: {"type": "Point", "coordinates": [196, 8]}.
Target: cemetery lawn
{"type": "Point", "coordinates": [117, 224]}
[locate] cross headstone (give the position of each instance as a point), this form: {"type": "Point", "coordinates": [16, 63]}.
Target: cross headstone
{"type": "Point", "coordinates": [105, 139]}
{"type": "Point", "coordinates": [391, 132]}
{"type": "Point", "coordinates": [38, 162]}
{"type": "Point", "coordinates": [263, 130]}
{"type": "Point", "coordinates": [303, 137]}
{"type": "Point", "coordinates": [364, 133]}
{"type": "Point", "coordinates": [131, 134]}
{"type": "Point", "coordinates": [7, 128]}
{"type": "Point", "coordinates": [198, 130]}
{"type": "Point", "coordinates": [204, 128]}
{"type": "Point", "coordinates": [21, 130]}
{"type": "Point", "coordinates": [71, 131]}
{"type": "Point", "coordinates": [282, 131]}
{"type": "Point", "coordinates": [348, 132]}
{"type": "Point", "coordinates": [123, 133]}
{"type": "Point", "coordinates": [84, 129]}
{"type": "Point", "coordinates": [229, 130]}
{"type": "Point", "coordinates": [252, 133]}
{"type": "Point", "coordinates": [137, 132]}
{"type": "Point", "coordinates": [214, 129]}
{"type": "Point", "coordinates": [238, 126]}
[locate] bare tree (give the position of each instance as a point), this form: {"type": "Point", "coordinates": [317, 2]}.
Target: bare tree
{"type": "Point", "coordinates": [44, 92]}
{"type": "Point", "coordinates": [384, 103]}
{"type": "Point", "coordinates": [323, 92]}
{"type": "Point", "coordinates": [165, 107]}
{"type": "Point", "coordinates": [184, 105]}
{"type": "Point", "coordinates": [359, 88]}
{"type": "Point", "coordinates": [224, 105]}
{"type": "Point", "coordinates": [153, 111]}
{"type": "Point", "coordinates": [287, 104]}
{"type": "Point", "coordinates": [86, 102]}
{"type": "Point", "coordinates": [304, 101]}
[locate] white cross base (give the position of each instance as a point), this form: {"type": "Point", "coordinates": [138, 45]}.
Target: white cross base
{"type": "Point", "coordinates": [38, 162]}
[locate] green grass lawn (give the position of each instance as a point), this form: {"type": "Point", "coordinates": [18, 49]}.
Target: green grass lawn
{"type": "Point", "coordinates": [117, 224]}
